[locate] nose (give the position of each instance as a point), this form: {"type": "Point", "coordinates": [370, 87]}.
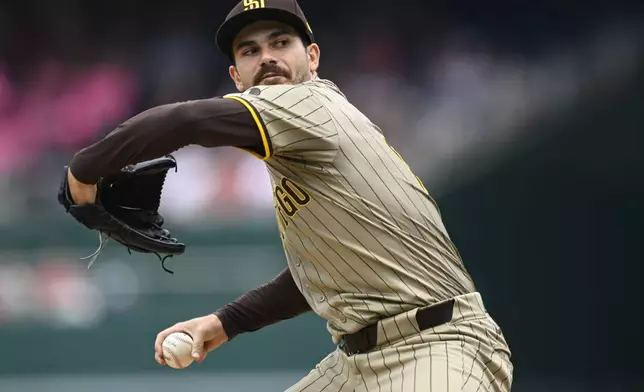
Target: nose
{"type": "Point", "coordinates": [268, 59]}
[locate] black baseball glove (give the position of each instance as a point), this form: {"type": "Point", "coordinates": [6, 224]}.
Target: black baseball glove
{"type": "Point", "coordinates": [127, 209]}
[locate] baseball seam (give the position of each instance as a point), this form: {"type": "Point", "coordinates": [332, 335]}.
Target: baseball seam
{"type": "Point", "coordinates": [173, 342]}
{"type": "Point", "coordinates": [168, 354]}
{"type": "Point", "coordinates": [182, 340]}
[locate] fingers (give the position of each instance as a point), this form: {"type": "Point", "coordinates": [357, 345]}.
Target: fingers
{"type": "Point", "coordinates": [197, 347]}
{"type": "Point", "coordinates": [208, 346]}
{"type": "Point", "coordinates": [207, 334]}
{"type": "Point", "coordinates": [158, 343]}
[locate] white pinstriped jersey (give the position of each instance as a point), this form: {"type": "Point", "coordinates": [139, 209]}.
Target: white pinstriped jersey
{"type": "Point", "coordinates": [363, 238]}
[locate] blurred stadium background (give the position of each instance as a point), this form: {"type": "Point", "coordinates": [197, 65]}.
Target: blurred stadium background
{"type": "Point", "coordinates": [525, 122]}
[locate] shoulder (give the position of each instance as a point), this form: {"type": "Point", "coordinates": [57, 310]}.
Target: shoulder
{"type": "Point", "coordinates": [271, 93]}
{"type": "Point", "coordinates": [287, 91]}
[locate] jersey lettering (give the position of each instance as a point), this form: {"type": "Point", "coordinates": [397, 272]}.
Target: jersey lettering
{"type": "Point", "coordinates": [370, 220]}
{"type": "Point", "coordinates": [289, 198]}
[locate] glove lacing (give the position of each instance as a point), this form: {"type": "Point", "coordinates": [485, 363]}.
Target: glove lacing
{"type": "Point", "coordinates": [101, 244]}
{"type": "Point", "coordinates": [103, 239]}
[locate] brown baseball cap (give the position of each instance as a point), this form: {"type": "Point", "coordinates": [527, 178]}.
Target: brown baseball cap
{"type": "Point", "coordinates": [249, 11]}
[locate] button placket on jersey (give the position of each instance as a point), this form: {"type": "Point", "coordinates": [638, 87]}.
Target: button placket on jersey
{"type": "Point", "coordinates": [319, 297]}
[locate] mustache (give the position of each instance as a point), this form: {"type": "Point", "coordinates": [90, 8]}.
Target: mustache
{"type": "Point", "coordinates": [270, 69]}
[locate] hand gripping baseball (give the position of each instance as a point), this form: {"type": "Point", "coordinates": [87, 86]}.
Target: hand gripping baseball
{"type": "Point", "coordinates": [207, 334]}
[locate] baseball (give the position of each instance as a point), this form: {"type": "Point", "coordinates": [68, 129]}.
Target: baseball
{"type": "Point", "coordinates": [177, 350]}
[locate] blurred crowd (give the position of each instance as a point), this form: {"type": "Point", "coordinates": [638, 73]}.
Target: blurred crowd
{"type": "Point", "coordinates": [445, 87]}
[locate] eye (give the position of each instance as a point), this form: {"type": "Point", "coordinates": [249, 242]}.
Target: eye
{"type": "Point", "coordinates": [249, 52]}
{"type": "Point", "coordinates": [281, 43]}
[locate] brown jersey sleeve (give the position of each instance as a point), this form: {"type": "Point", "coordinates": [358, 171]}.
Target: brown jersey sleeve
{"type": "Point", "coordinates": [164, 129]}
{"type": "Point", "coordinates": [277, 300]}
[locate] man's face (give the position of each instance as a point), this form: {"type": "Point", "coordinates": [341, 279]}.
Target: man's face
{"type": "Point", "coordinates": [270, 52]}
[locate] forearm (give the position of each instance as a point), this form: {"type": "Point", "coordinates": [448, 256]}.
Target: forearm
{"type": "Point", "coordinates": [277, 300]}
{"type": "Point", "coordinates": [164, 129]}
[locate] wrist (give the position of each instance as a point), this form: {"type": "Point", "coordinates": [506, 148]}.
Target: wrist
{"type": "Point", "coordinates": [73, 180]}
{"type": "Point", "coordinates": [218, 325]}
{"type": "Point", "coordinates": [81, 193]}
{"type": "Point", "coordinates": [226, 324]}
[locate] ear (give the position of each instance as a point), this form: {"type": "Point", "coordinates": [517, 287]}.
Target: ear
{"type": "Point", "coordinates": [234, 75]}
{"type": "Point", "coordinates": [313, 52]}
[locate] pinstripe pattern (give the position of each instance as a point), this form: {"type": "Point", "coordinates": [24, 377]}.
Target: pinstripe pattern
{"type": "Point", "coordinates": [335, 373]}
{"type": "Point", "coordinates": [468, 354]}
{"type": "Point", "coordinates": [372, 240]}
{"type": "Point", "coordinates": [367, 243]}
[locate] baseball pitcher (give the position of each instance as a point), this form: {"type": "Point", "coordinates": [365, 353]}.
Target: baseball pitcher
{"type": "Point", "coordinates": [364, 241]}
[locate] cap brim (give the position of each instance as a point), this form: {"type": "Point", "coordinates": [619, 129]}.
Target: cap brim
{"type": "Point", "coordinates": [229, 29]}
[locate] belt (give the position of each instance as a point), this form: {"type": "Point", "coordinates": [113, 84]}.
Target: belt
{"type": "Point", "coordinates": [366, 339]}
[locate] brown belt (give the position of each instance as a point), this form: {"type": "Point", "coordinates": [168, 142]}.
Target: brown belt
{"type": "Point", "coordinates": [364, 340]}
